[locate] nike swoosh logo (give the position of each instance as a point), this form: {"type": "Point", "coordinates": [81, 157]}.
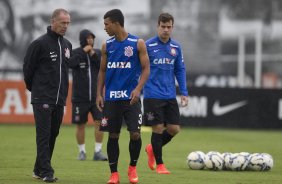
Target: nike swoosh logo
{"type": "Point", "coordinates": [156, 50]}
{"type": "Point", "coordinates": [221, 110]}
{"type": "Point", "coordinates": [52, 52]}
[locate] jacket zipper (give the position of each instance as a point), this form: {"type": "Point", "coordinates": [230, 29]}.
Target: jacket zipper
{"type": "Point", "coordinates": [89, 74]}
{"type": "Point", "coordinates": [58, 92]}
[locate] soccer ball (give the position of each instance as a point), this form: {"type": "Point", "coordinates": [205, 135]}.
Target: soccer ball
{"type": "Point", "coordinates": [195, 160]}
{"type": "Point", "coordinates": [257, 162]}
{"type": "Point", "coordinates": [247, 155]}
{"type": "Point", "coordinates": [238, 162]}
{"type": "Point", "coordinates": [268, 161]}
{"type": "Point", "coordinates": [226, 157]}
{"type": "Point", "coordinates": [213, 161]}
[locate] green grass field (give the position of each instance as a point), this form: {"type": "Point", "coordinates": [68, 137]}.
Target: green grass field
{"type": "Point", "coordinates": [17, 154]}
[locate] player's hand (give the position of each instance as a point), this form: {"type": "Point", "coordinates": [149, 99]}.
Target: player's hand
{"type": "Point", "coordinates": [134, 96]}
{"type": "Point", "coordinates": [184, 101]}
{"type": "Point", "coordinates": [87, 48]}
{"type": "Point", "coordinates": [100, 103]}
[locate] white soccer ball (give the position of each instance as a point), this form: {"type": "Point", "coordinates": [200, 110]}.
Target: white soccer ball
{"type": "Point", "coordinates": [213, 161]}
{"type": "Point", "coordinates": [268, 161]}
{"type": "Point", "coordinates": [247, 155]}
{"type": "Point", "coordinates": [226, 157]}
{"type": "Point", "coordinates": [238, 162]}
{"type": "Point", "coordinates": [257, 162]}
{"type": "Point", "coordinates": [195, 160]}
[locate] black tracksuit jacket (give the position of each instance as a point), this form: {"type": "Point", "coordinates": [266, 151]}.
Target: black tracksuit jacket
{"type": "Point", "coordinates": [85, 69]}
{"type": "Point", "coordinates": [45, 68]}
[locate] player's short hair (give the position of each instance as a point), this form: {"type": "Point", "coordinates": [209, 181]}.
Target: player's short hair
{"type": "Point", "coordinates": [57, 12]}
{"type": "Point", "coordinates": [165, 17]}
{"type": "Point", "coordinates": [115, 15]}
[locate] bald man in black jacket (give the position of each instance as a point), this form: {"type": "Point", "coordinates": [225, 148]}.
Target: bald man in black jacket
{"type": "Point", "coordinates": [46, 76]}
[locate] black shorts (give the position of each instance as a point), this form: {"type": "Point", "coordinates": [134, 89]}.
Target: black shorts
{"type": "Point", "coordinates": [80, 112]}
{"type": "Point", "coordinates": [158, 111]}
{"type": "Point", "coordinates": [117, 112]}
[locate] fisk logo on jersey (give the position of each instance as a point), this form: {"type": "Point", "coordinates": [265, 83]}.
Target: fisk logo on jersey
{"type": "Point", "coordinates": [163, 61]}
{"type": "Point", "coordinates": [122, 64]}
{"type": "Point", "coordinates": [118, 94]}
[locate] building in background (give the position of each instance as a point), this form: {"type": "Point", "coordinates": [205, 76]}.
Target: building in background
{"type": "Point", "coordinates": [226, 44]}
{"type": "Point", "coordinates": [211, 33]}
